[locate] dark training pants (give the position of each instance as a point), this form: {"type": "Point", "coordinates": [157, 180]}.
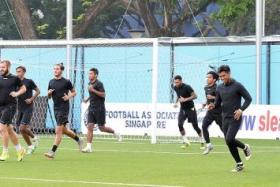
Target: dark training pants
{"type": "Point", "coordinates": [191, 115]}
{"type": "Point", "coordinates": [209, 118]}
{"type": "Point", "coordinates": [230, 128]}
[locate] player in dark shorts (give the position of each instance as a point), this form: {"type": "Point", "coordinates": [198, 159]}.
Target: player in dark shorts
{"type": "Point", "coordinates": [229, 96]}
{"type": "Point", "coordinates": [186, 95]}
{"type": "Point", "coordinates": [25, 110]}
{"type": "Point", "coordinates": [96, 110]}
{"type": "Point", "coordinates": [61, 91]}
{"type": "Point", "coordinates": [211, 115]}
{"type": "Point", "coordinates": [10, 88]}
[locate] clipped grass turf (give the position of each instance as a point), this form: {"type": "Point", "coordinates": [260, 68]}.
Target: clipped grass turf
{"type": "Point", "coordinates": [142, 164]}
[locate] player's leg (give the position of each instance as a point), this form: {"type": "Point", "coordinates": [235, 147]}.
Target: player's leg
{"type": "Point", "coordinates": [27, 134]}
{"type": "Point", "coordinates": [91, 121]}
{"type": "Point", "coordinates": [90, 129]}
{"type": "Point", "coordinates": [5, 140]}
{"type": "Point", "coordinates": [8, 115]}
{"type": "Point", "coordinates": [74, 136]}
{"type": "Point", "coordinates": [233, 127]}
{"type": "Point", "coordinates": [58, 134]}
{"type": "Point", "coordinates": [181, 120]}
{"type": "Point", "coordinates": [100, 116]}
{"type": "Point", "coordinates": [207, 121]}
{"type": "Point", "coordinates": [192, 118]}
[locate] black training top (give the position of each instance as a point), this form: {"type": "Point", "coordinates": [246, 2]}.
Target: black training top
{"type": "Point", "coordinates": [184, 91]}
{"type": "Point", "coordinates": [229, 98]}
{"type": "Point", "coordinates": [8, 84]}
{"type": "Point", "coordinates": [61, 87]}
{"type": "Point", "coordinates": [95, 100]}
{"type": "Point", "coordinates": [30, 86]}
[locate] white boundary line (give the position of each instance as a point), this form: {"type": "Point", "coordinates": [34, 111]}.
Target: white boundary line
{"type": "Point", "coordinates": [84, 182]}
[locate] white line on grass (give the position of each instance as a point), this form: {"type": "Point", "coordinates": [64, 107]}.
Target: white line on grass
{"type": "Point", "coordinates": [162, 152]}
{"type": "Point", "coordinates": [84, 182]}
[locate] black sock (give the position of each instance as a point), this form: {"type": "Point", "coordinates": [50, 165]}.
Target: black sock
{"type": "Point", "coordinates": [54, 148]}
{"type": "Point", "coordinates": [76, 138]}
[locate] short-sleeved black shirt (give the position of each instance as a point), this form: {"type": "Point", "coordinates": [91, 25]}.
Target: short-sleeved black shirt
{"type": "Point", "coordinates": [185, 91]}
{"type": "Point", "coordinates": [60, 86]}
{"type": "Point", "coordinates": [8, 84]}
{"type": "Point", "coordinates": [30, 86]}
{"type": "Point", "coordinates": [95, 100]}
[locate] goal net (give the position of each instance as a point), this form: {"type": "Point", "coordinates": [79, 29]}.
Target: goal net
{"type": "Point", "coordinates": [137, 76]}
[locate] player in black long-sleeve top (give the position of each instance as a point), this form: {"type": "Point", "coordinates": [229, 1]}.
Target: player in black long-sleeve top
{"type": "Point", "coordinates": [211, 115]}
{"type": "Point", "coordinates": [229, 97]}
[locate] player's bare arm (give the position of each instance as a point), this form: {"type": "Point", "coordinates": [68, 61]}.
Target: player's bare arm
{"type": "Point", "coordinates": [72, 93]}
{"type": "Point", "coordinates": [21, 91]}
{"type": "Point", "coordinates": [99, 93]}
{"type": "Point", "coordinates": [192, 97]}
{"type": "Point", "coordinates": [37, 93]}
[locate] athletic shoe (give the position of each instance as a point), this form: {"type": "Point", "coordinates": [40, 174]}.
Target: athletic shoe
{"type": "Point", "coordinates": [247, 152]}
{"type": "Point", "coordinates": [50, 154]}
{"type": "Point", "coordinates": [185, 144]}
{"type": "Point", "coordinates": [30, 149]}
{"type": "Point", "coordinates": [87, 150]}
{"type": "Point", "coordinates": [80, 144]}
{"type": "Point", "coordinates": [238, 168]}
{"type": "Point", "coordinates": [4, 156]}
{"type": "Point", "coordinates": [20, 154]}
{"type": "Point", "coordinates": [207, 150]}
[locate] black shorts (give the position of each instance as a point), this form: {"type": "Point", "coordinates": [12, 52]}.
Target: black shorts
{"type": "Point", "coordinates": [24, 116]}
{"type": "Point", "coordinates": [7, 113]}
{"type": "Point", "coordinates": [189, 114]}
{"type": "Point", "coordinates": [213, 116]}
{"type": "Point", "coordinates": [97, 116]}
{"type": "Point", "coordinates": [61, 117]}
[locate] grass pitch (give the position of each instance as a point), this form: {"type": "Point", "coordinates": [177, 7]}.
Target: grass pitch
{"type": "Point", "coordinates": [140, 164]}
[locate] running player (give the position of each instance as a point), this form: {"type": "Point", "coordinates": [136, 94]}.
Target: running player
{"type": "Point", "coordinates": [185, 96]}
{"type": "Point", "coordinates": [229, 96]}
{"type": "Point", "coordinates": [25, 110]}
{"type": "Point", "coordinates": [211, 115]}
{"type": "Point", "coordinates": [96, 110]}
{"type": "Point", "coordinates": [61, 90]}
{"type": "Point", "coordinates": [10, 88]}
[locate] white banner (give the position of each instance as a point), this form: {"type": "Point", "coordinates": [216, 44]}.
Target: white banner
{"type": "Point", "coordinates": [259, 121]}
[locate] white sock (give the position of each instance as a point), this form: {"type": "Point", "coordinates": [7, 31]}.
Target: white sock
{"type": "Point", "coordinates": [185, 139]}
{"type": "Point", "coordinates": [209, 145]}
{"type": "Point", "coordinates": [5, 150]}
{"type": "Point", "coordinates": [31, 146]}
{"type": "Point", "coordinates": [18, 147]}
{"type": "Point", "coordinates": [240, 163]}
{"type": "Point", "coordinates": [89, 145]}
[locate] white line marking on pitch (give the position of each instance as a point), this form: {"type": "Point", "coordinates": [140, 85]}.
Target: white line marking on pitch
{"type": "Point", "coordinates": [162, 152]}
{"type": "Point", "coordinates": [84, 182]}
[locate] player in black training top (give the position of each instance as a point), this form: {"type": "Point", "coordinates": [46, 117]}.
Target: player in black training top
{"type": "Point", "coordinates": [211, 115]}
{"type": "Point", "coordinates": [186, 95]}
{"type": "Point", "coordinates": [10, 88]}
{"type": "Point", "coordinates": [61, 91]}
{"type": "Point", "coordinates": [96, 109]}
{"type": "Point", "coordinates": [25, 109]}
{"type": "Point", "coordinates": [229, 96]}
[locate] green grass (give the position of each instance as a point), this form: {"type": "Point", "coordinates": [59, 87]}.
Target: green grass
{"type": "Point", "coordinates": [142, 163]}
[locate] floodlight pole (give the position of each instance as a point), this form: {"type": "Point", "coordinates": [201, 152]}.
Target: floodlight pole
{"type": "Point", "coordinates": [69, 35]}
{"type": "Point", "coordinates": [259, 35]}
